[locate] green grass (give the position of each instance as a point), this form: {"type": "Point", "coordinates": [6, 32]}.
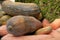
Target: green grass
{"type": "Point", "coordinates": [50, 9]}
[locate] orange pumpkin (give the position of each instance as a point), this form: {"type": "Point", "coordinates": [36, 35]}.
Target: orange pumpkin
{"type": "Point", "coordinates": [55, 24]}
{"type": "Point", "coordinates": [45, 23]}
{"type": "Point", "coordinates": [3, 30]}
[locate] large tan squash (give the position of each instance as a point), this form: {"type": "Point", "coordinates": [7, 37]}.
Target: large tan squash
{"type": "Point", "coordinates": [18, 8]}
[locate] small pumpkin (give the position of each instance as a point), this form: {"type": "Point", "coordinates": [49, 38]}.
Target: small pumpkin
{"type": "Point", "coordinates": [2, 13]}
{"type": "Point", "coordinates": [4, 19]}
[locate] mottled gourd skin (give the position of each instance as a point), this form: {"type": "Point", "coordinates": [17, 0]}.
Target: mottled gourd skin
{"type": "Point", "coordinates": [18, 8]}
{"type": "Point", "coordinates": [20, 25]}
{"type": "Point", "coordinates": [4, 19]}
{"type": "Point", "coordinates": [2, 13]}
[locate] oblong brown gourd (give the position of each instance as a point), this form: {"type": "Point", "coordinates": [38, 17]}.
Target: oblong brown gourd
{"type": "Point", "coordinates": [20, 25]}
{"type": "Point", "coordinates": [18, 8]}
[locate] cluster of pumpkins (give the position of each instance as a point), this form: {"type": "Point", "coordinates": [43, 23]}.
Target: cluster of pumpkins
{"type": "Point", "coordinates": [21, 18]}
{"type": "Point", "coordinates": [24, 20]}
